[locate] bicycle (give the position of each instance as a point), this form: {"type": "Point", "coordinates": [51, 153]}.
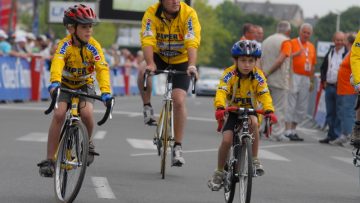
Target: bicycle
{"type": "Point", "coordinates": [239, 167]}
{"type": "Point", "coordinates": [164, 134]}
{"type": "Point", "coordinates": [71, 157]}
{"type": "Point", "coordinates": [356, 159]}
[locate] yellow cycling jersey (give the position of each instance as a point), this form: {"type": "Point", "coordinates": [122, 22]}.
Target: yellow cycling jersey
{"type": "Point", "coordinates": [68, 66]}
{"type": "Point", "coordinates": [237, 90]}
{"type": "Point", "coordinates": [171, 38]}
{"type": "Point", "coordinates": [355, 60]}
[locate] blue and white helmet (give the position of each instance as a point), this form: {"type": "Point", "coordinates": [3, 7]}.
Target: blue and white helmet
{"type": "Point", "coordinates": [246, 48]}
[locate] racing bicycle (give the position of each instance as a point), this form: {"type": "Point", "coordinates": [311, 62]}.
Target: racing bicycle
{"type": "Point", "coordinates": [239, 168]}
{"type": "Point", "coordinates": [71, 158]}
{"type": "Point", "coordinates": [164, 134]}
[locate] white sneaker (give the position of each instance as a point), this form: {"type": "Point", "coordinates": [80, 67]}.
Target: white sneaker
{"type": "Point", "coordinates": [178, 159]}
{"type": "Point", "coordinates": [259, 169]}
{"type": "Point", "coordinates": [217, 181]}
{"type": "Point", "coordinates": [149, 115]}
{"type": "Point", "coordinates": [340, 140]}
{"type": "Point", "coordinates": [279, 138]}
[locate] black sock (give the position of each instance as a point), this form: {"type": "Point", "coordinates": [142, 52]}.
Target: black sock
{"type": "Point", "coordinates": [177, 143]}
{"type": "Point", "coordinates": [148, 104]}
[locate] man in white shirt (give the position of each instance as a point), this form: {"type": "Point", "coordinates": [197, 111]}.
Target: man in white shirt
{"type": "Point", "coordinates": [329, 72]}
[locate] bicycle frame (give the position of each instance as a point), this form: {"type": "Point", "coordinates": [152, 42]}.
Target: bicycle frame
{"type": "Point", "coordinates": [72, 151]}
{"type": "Point", "coordinates": [164, 134]}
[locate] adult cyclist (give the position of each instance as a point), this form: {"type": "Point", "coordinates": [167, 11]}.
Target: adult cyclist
{"type": "Point", "coordinates": [78, 57]}
{"type": "Point", "coordinates": [170, 37]}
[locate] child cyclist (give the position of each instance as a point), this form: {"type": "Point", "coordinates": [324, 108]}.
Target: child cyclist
{"type": "Point", "coordinates": [243, 85]}
{"type": "Point", "coordinates": [77, 58]}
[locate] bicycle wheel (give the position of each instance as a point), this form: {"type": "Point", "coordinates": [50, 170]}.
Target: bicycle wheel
{"type": "Point", "coordinates": [71, 160]}
{"type": "Point", "coordinates": [245, 170]}
{"type": "Point", "coordinates": [164, 139]}
{"type": "Point", "coordinates": [229, 181]}
{"type": "Point", "coordinates": [159, 131]}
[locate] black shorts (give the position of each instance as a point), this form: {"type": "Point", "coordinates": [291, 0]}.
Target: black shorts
{"type": "Point", "coordinates": [88, 88]}
{"type": "Point", "coordinates": [179, 81]}
{"type": "Point", "coordinates": [232, 120]}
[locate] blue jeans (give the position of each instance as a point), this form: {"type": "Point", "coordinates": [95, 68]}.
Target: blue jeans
{"type": "Point", "coordinates": [331, 118]}
{"type": "Point", "coordinates": [346, 113]}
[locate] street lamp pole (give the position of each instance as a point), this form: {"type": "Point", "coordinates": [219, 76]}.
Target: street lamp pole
{"type": "Point", "coordinates": [338, 19]}
{"type": "Point", "coordinates": [338, 22]}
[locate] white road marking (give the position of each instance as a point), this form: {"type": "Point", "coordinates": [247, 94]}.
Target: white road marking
{"type": "Point", "coordinates": [99, 135]}
{"type": "Point", "coordinates": [34, 137]}
{"type": "Point", "coordinates": [128, 113]}
{"type": "Point", "coordinates": [348, 160]}
{"type": "Point", "coordinates": [265, 154]}
{"type": "Point", "coordinates": [102, 188]}
{"type": "Point", "coordinates": [141, 143]}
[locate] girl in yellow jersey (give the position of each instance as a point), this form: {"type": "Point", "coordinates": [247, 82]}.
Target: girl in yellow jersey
{"type": "Point", "coordinates": [77, 59]}
{"type": "Point", "coordinates": [244, 85]}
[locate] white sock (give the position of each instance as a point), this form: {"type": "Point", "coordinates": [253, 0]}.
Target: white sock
{"type": "Point", "coordinates": [293, 131]}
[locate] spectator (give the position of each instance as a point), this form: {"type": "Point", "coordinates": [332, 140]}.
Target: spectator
{"type": "Point", "coordinates": [329, 74]}
{"type": "Point", "coordinates": [259, 34]}
{"type": "Point", "coordinates": [19, 48]}
{"type": "Point", "coordinates": [346, 97]}
{"type": "Point", "coordinates": [249, 32]}
{"type": "Point", "coordinates": [30, 43]}
{"type": "Point", "coordinates": [5, 47]}
{"type": "Point", "coordinates": [303, 67]}
{"type": "Point", "coordinates": [275, 62]}
{"type": "Point", "coordinates": [42, 45]}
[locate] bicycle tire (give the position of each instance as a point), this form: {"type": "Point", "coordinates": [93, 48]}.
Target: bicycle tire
{"type": "Point", "coordinates": [164, 139]}
{"type": "Point", "coordinates": [75, 146]}
{"type": "Point", "coordinates": [159, 132]}
{"type": "Point", "coordinates": [245, 170]}
{"type": "Point", "coordinates": [229, 182]}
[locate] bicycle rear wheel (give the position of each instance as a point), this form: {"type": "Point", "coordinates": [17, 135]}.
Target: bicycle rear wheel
{"type": "Point", "coordinates": [71, 163]}
{"type": "Point", "coordinates": [245, 170]}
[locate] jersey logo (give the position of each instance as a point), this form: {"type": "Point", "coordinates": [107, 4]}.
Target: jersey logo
{"type": "Point", "coordinates": [357, 44]}
{"type": "Point", "coordinates": [64, 46]}
{"type": "Point", "coordinates": [228, 76]}
{"type": "Point", "coordinates": [94, 51]}
{"type": "Point", "coordinates": [259, 78]}
{"type": "Point", "coordinates": [147, 31]}
{"type": "Point", "coordinates": [190, 34]}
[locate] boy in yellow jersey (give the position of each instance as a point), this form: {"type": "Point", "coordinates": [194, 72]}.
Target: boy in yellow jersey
{"type": "Point", "coordinates": [243, 85]}
{"type": "Point", "coordinates": [78, 57]}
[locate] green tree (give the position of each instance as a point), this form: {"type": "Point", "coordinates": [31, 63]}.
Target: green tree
{"type": "Point", "coordinates": [326, 26]}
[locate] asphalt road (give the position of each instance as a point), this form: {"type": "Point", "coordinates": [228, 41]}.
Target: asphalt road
{"type": "Point", "coordinates": [128, 169]}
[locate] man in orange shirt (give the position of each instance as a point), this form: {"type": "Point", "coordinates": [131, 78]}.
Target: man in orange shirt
{"type": "Point", "coordinates": [303, 66]}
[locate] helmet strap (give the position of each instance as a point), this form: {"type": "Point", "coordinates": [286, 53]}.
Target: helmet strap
{"type": "Point", "coordinates": [82, 43]}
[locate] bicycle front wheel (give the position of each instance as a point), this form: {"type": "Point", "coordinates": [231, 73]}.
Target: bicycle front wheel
{"type": "Point", "coordinates": [230, 181]}
{"type": "Point", "coordinates": [245, 170]}
{"type": "Point", "coordinates": [71, 160]}
{"type": "Point", "coordinates": [164, 138]}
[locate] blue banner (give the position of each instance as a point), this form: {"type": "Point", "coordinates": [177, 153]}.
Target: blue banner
{"type": "Point", "coordinates": [14, 79]}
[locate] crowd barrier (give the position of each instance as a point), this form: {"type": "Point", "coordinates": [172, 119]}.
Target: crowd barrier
{"type": "Point", "coordinates": [22, 80]}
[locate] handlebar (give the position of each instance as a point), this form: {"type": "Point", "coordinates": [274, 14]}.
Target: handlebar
{"type": "Point", "coordinates": [55, 97]}
{"type": "Point", "coordinates": [241, 110]}
{"type": "Point", "coordinates": [169, 72]}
